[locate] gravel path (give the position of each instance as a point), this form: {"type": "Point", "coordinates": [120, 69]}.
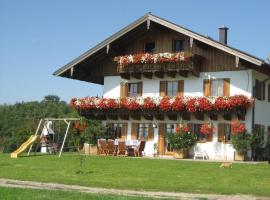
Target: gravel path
{"type": "Point", "coordinates": [77, 188]}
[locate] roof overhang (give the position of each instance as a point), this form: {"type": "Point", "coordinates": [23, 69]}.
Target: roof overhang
{"type": "Point", "coordinates": [148, 18]}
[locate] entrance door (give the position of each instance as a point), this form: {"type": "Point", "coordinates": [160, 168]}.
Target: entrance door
{"type": "Point", "coordinates": [161, 138]}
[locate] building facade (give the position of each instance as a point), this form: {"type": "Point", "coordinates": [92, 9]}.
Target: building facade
{"type": "Point", "coordinates": [158, 60]}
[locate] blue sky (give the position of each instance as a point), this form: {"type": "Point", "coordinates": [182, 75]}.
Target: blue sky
{"type": "Point", "coordinates": [38, 37]}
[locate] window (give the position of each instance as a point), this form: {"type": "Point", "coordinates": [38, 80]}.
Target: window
{"type": "Point", "coordinates": [172, 88]}
{"type": "Point", "coordinates": [134, 89]}
{"type": "Point", "coordinates": [260, 90]}
{"type": "Point", "coordinates": [217, 87]}
{"type": "Point", "coordinates": [114, 130]}
{"type": "Point", "coordinates": [143, 131]}
{"type": "Point", "coordinates": [178, 45]}
{"type": "Point", "coordinates": [224, 132]}
{"type": "Point", "coordinates": [195, 129]}
{"type": "Point", "coordinates": [170, 128]}
{"type": "Point", "coordinates": [149, 47]}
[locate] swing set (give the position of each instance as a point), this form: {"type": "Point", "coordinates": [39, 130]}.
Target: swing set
{"type": "Point", "coordinates": [33, 138]}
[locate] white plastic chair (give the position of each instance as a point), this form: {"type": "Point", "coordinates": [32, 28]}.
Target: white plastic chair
{"type": "Point", "coordinates": [199, 153]}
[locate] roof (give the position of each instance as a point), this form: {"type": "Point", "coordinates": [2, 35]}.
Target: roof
{"type": "Point", "coordinates": [150, 17]}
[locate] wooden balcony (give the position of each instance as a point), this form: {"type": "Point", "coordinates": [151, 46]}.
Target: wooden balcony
{"type": "Point", "coordinates": [183, 68]}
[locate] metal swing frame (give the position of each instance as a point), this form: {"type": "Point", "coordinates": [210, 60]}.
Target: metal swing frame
{"type": "Point", "coordinates": [66, 120]}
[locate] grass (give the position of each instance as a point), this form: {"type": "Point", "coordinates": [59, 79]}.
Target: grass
{"type": "Point", "coordinates": [141, 174]}
{"type": "Point", "coordinates": [33, 194]}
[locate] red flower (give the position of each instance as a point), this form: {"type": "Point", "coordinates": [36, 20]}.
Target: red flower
{"type": "Point", "coordinates": [149, 104]}
{"type": "Point", "coordinates": [178, 104]}
{"type": "Point", "coordinates": [207, 129]}
{"type": "Point", "coordinates": [165, 104]}
{"type": "Point", "coordinates": [182, 128]}
{"type": "Point", "coordinates": [191, 105]}
{"type": "Point", "coordinates": [204, 104]}
{"type": "Point", "coordinates": [80, 126]}
{"type": "Point", "coordinates": [237, 127]}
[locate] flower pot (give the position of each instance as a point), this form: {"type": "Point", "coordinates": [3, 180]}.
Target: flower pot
{"type": "Point", "coordinates": [239, 156]}
{"type": "Point", "coordinates": [180, 154]}
{"type": "Point", "coordinates": [199, 116]}
{"type": "Point", "coordinates": [135, 115]}
{"type": "Point", "coordinates": [185, 116]}
{"type": "Point", "coordinates": [213, 116]}
{"type": "Point", "coordinates": [148, 116]}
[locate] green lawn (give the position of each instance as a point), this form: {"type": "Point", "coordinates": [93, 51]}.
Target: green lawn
{"type": "Point", "coordinates": [141, 174]}
{"type": "Point", "coordinates": [31, 194]}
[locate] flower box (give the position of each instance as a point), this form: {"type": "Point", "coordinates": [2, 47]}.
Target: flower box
{"type": "Point", "coordinates": [239, 157]}
{"type": "Point", "coordinates": [213, 116]}
{"type": "Point", "coordinates": [148, 116]}
{"type": "Point", "coordinates": [199, 116]}
{"type": "Point", "coordinates": [180, 154]}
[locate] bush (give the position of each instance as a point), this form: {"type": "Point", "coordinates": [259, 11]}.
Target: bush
{"type": "Point", "coordinates": [181, 139]}
{"type": "Point", "coordinates": [241, 142]}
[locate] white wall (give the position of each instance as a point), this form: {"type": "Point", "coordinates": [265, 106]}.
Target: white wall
{"type": "Point", "coordinates": [240, 82]}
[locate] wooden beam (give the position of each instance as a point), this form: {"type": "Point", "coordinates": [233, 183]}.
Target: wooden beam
{"type": "Point", "coordinates": [107, 48]}
{"type": "Point", "coordinates": [125, 76]}
{"type": "Point", "coordinates": [148, 24]}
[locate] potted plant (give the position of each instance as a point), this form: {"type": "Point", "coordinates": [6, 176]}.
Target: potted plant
{"type": "Point", "coordinates": [207, 129]}
{"type": "Point", "coordinates": [240, 140]}
{"type": "Point", "coordinates": [181, 141]}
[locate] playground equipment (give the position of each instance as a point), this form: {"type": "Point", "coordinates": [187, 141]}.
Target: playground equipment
{"type": "Point", "coordinates": [24, 146]}
{"type": "Point", "coordinates": [46, 130]}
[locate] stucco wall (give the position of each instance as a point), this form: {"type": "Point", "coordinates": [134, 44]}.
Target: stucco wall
{"type": "Point", "coordinates": [240, 83]}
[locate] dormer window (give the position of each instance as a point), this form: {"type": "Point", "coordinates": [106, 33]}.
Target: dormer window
{"type": "Point", "coordinates": [178, 45]}
{"type": "Point", "coordinates": [149, 47]}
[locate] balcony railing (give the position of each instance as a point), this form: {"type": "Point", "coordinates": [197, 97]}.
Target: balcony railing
{"type": "Point", "coordinates": [182, 63]}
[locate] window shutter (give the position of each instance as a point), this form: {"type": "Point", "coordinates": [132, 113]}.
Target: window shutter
{"type": "Point", "coordinates": [268, 92]}
{"type": "Point", "coordinates": [163, 88]}
{"type": "Point", "coordinates": [161, 138]}
{"type": "Point", "coordinates": [263, 91]}
{"type": "Point", "coordinates": [180, 91]}
{"type": "Point", "coordinates": [134, 131]}
{"type": "Point", "coordinates": [206, 87]}
{"type": "Point", "coordinates": [139, 89]}
{"type": "Point", "coordinates": [151, 132]}
{"type": "Point", "coordinates": [124, 131]}
{"type": "Point", "coordinates": [226, 87]}
{"type": "Point", "coordinates": [221, 130]}
{"type": "Point", "coordinates": [257, 89]}
{"type": "Point", "coordinates": [123, 89]}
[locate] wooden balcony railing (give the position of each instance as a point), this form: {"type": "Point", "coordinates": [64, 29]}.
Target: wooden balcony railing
{"type": "Point", "coordinates": [192, 65]}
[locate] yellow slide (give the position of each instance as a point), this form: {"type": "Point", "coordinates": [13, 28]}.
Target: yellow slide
{"type": "Point", "coordinates": [24, 146]}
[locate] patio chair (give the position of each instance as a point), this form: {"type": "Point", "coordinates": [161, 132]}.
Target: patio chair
{"type": "Point", "coordinates": [121, 148]}
{"type": "Point", "coordinates": [139, 150]}
{"type": "Point", "coordinates": [199, 153]}
{"type": "Point", "coordinates": [102, 147]}
{"type": "Point", "coordinates": [110, 147]}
